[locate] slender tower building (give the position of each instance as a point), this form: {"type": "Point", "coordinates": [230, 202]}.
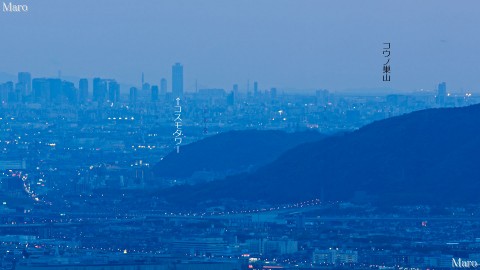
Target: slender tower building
{"type": "Point", "coordinates": [177, 80]}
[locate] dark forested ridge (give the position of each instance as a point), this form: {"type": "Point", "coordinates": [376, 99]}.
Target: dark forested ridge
{"type": "Point", "coordinates": [233, 151]}
{"type": "Point", "coordinates": [429, 156]}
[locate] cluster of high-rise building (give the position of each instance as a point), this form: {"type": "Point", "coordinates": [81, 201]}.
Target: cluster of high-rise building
{"type": "Point", "coordinates": [100, 90]}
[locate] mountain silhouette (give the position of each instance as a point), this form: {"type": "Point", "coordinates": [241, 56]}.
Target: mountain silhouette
{"type": "Point", "coordinates": [428, 156]}
{"type": "Point", "coordinates": [230, 152]}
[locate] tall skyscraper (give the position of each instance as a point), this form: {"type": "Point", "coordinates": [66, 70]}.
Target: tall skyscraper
{"type": "Point", "coordinates": [69, 92]}
{"type": "Point", "coordinates": [231, 98]}
{"type": "Point", "coordinates": [25, 83]}
{"type": "Point", "coordinates": [154, 90]}
{"type": "Point", "coordinates": [255, 89]}
{"type": "Point", "coordinates": [133, 95]}
{"type": "Point", "coordinates": [56, 94]}
{"type": "Point", "coordinates": [146, 87]}
{"type": "Point", "coordinates": [113, 91]}
{"type": "Point", "coordinates": [99, 89]}
{"type": "Point", "coordinates": [441, 94]}
{"type": "Point", "coordinates": [117, 92]}
{"type": "Point", "coordinates": [163, 86]}
{"type": "Point", "coordinates": [41, 89]}
{"type": "Point", "coordinates": [273, 93]}
{"type": "Point", "coordinates": [177, 80]}
{"type": "Point", "coordinates": [6, 92]}
{"type": "Point", "coordinates": [83, 89]}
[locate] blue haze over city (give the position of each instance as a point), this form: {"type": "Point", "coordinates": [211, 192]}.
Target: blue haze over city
{"type": "Point", "coordinates": [222, 135]}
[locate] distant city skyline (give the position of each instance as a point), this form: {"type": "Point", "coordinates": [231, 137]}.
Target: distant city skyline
{"type": "Point", "coordinates": [301, 45]}
{"type": "Point", "coordinates": [23, 83]}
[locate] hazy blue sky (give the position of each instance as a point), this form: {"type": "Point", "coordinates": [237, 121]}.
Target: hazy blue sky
{"type": "Point", "coordinates": [290, 44]}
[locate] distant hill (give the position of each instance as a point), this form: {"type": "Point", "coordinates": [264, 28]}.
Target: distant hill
{"type": "Point", "coordinates": [429, 156]}
{"type": "Point", "coordinates": [231, 152]}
